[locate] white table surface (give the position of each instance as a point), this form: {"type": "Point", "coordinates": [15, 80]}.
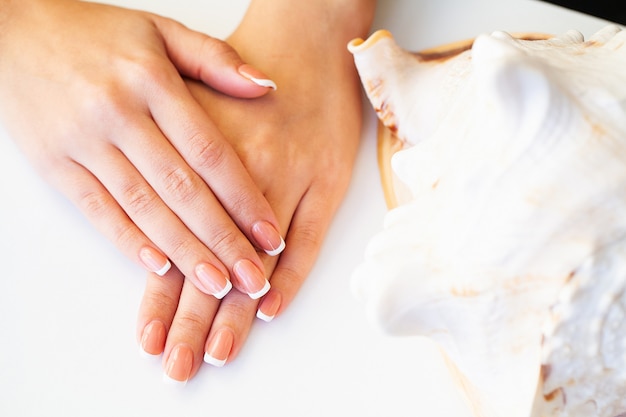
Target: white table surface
{"type": "Point", "coordinates": [68, 299]}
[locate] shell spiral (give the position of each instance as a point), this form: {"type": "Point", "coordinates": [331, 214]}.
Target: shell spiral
{"type": "Point", "coordinates": [510, 251]}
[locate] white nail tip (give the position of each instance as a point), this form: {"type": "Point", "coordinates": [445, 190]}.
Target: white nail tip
{"type": "Point", "coordinates": [173, 382]}
{"type": "Point", "coordinates": [146, 355]}
{"type": "Point", "coordinates": [165, 268]}
{"type": "Point", "coordinates": [262, 292]}
{"type": "Point", "coordinates": [213, 361]}
{"type": "Point", "coordinates": [278, 250]}
{"type": "Point", "coordinates": [226, 290]}
{"type": "Point", "coordinates": [264, 83]}
{"type": "Point", "coordinates": [264, 316]}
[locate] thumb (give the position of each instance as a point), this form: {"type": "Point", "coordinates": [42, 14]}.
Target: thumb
{"type": "Point", "coordinates": [211, 61]}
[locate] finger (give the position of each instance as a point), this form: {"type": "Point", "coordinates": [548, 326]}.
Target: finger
{"type": "Point", "coordinates": [157, 310]}
{"type": "Point", "coordinates": [212, 61]}
{"type": "Point", "coordinates": [230, 328]}
{"type": "Point", "coordinates": [191, 200]}
{"type": "Point", "coordinates": [208, 153]}
{"type": "Point", "coordinates": [103, 211]}
{"type": "Point", "coordinates": [234, 318]}
{"type": "Point", "coordinates": [306, 234]}
{"type": "Point", "coordinates": [309, 224]}
{"type": "Point", "coordinates": [184, 348]}
{"type": "Point", "coordinates": [163, 227]}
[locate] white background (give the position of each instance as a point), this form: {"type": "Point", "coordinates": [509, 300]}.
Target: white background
{"type": "Point", "coordinates": [68, 300]}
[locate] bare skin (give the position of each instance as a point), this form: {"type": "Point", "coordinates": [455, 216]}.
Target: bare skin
{"type": "Point", "coordinates": [93, 95]}
{"type": "Point", "coordinates": [299, 146]}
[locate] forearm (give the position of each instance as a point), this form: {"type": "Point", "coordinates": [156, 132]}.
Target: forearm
{"type": "Point", "coordinates": [332, 19]}
{"type": "Point", "coordinates": [318, 24]}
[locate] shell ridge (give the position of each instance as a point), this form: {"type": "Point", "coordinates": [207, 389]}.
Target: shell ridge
{"type": "Point", "coordinates": [515, 156]}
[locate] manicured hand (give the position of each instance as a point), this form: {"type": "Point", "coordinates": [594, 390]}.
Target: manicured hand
{"type": "Point", "coordinates": [94, 97]}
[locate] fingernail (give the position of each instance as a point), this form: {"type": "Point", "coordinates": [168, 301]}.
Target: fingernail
{"type": "Point", "coordinates": [268, 238]}
{"type": "Point", "coordinates": [179, 364]}
{"type": "Point", "coordinates": [213, 280]}
{"type": "Point", "coordinates": [251, 278]}
{"type": "Point", "coordinates": [219, 348]}
{"type": "Point", "coordinates": [154, 261]}
{"type": "Point", "coordinates": [269, 306]}
{"type": "Point", "coordinates": [256, 76]}
{"type": "Point", "coordinates": [152, 339]}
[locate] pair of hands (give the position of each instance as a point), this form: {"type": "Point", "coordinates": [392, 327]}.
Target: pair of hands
{"type": "Point", "coordinates": [170, 169]}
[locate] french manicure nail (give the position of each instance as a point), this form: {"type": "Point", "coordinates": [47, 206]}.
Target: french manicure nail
{"type": "Point", "coordinates": [213, 281]}
{"type": "Point", "coordinates": [269, 306]}
{"type": "Point", "coordinates": [219, 348]}
{"type": "Point", "coordinates": [179, 364]}
{"type": "Point", "coordinates": [152, 339]}
{"type": "Point", "coordinates": [268, 238]}
{"type": "Point", "coordinates": [154, 261]}
{"type": "Point", "coordinates": [252, 278]}
{"type": "Point", "coordinates": [256, 76]}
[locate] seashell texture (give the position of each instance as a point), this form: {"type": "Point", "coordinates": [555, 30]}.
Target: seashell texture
{"type": "Point", "coordinates": [508, 249]}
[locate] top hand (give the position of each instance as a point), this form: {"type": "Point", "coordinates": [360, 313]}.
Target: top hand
{"type": "Point", "coordinates": [93, 96]}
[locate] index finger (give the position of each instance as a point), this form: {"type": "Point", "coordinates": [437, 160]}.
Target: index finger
{"type": "Point", "coordinates": [196, 138]}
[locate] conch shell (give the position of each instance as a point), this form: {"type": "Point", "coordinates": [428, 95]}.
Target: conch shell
{"type": "Point", "coordinates": [507, 246]}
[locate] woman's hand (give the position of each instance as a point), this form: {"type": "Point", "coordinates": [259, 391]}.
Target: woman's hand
{"type": "Point", "coordinates": [93, 96]}
{"type": "Point", "coordinates": [298, 144]}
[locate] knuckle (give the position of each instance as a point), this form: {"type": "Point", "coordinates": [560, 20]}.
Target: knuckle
{"type": "Point", "coordinates": [236, 314]}
{"type": "Point", "coordinates": [104, 95]}
{"type": "Point", "coordinates": [180, 250]}
{"type": "Point", "coordinates": [93, 203]}
{"type": "Point", "coordinates": [103, 102]}
{"type": "Point", "coordinates": [291, 275]}
{"type": "Point", "coordinates": [138, 200]}
{"type": "Point", "coordinates": [208, 47]}
{"type": "Point", "coordinates": [143, 66]}
{"type": "Point", "coordinates": [240, 201]}
{"type": "Point", "coordinates": [182, 185]}
{"type": "Point", "coordinates": [97, 207]}
{"type": "Point", "coordinates": [206, 153]}
{"type": "Point", "coordinates": [225, 240]}
{"type": "Point", "coordinates": [161, 300]}
{"type": "Point", "coordinates": [150, 70]}
{"type": "Point", "coordinates": [46, 161]}
{"type": "Point", "coordinates": [192, 321]}
{"type": "Point", "coordinates": [216, 48]}
{"type": "Point", "coordinates": [309, 233]}
{"type": "Point", "coordinates": [100, 96]}
{"type": "Point", "coordinates": [125, 235]}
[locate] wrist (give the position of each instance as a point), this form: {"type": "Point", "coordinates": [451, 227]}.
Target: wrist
{"type": "Point", "coordinates": [333, 20]}
{"type": "Point", "coordinates": [354, 17]}
{"type": "Point", "coordinates": [285, 29]}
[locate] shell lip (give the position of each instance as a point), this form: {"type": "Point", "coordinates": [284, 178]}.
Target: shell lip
{"type": "Point", "coordinates": [358, 44]}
